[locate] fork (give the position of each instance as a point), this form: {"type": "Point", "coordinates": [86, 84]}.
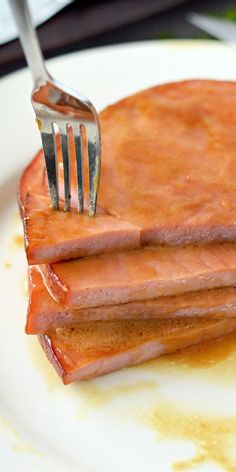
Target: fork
{"type": "Point", "coordinates": [58, 108]}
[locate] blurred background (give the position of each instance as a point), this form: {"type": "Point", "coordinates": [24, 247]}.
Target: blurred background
{"type": "Point", "coordinates": [66, 26]}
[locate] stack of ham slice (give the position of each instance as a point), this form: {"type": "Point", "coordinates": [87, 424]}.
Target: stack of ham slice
{"type": "Point", "coordinates": [155, 270]}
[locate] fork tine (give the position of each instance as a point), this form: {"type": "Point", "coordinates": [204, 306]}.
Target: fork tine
{"type": "Point", "coordinates": [94, 158]}
{"type": "Point", "coordinates": [49, 146]}
{"type": "Point", "coordinates": [79, 153]}
{"type": "Point", "coordinates": [66, 164]}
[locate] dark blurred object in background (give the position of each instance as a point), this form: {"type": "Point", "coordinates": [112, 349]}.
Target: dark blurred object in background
{"type": "Point", "coordinates": [85, 24]}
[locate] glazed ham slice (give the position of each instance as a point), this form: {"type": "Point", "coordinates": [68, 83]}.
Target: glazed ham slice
{"type": "Point", "coordinates": [45, 313]}
{"type": "Point", "coordinates": [174, 186]}
{"type": "Point", "coordinates": [148, 273]}
{"type": "Point", "coordinates": [81, 235]}
{"type": "Point", "coordinates": [169, 162]}
{"type": "Point", "coordinates": [91, 349]}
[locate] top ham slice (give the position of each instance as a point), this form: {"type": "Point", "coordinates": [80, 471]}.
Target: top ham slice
{"type": "Point", "coordinates": [168, 174]}
{"type": "Point", "coordinates": [169, 162]}
{"type": "Point", "coordinates": [58, 235]}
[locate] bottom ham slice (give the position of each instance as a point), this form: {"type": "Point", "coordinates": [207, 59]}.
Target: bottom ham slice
{"type": "Point", "coordinates": [148, 273]}
{"type": "Point", "coordinates": [45, 313]}
{"type": "Point", "coordinates": [91, 349]}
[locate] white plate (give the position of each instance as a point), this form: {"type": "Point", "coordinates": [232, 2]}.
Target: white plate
{"type": "Point", "coordinates": [130, 420]}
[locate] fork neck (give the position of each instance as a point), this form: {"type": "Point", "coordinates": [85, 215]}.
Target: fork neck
{"type": "Point", "coordinates": [29, 41]}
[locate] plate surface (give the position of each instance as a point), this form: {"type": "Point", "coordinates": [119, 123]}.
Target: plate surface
{"type": "Point", "coordinates": [174, 412]}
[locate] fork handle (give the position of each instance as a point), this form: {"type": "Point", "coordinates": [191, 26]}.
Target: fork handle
{"type": "Point", "coordinates": [29, 40]}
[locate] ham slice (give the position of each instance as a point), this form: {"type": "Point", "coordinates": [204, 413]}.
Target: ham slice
{"type": "Point", "coordinates": [45, 313]}
{"type": "Point", "coordinates": [91, 349]}
{"type": "Point", "coordinates": [148, 273]}
{"type": "Point", "coordinates": [169, 162]}
{"type": "Point", "coordinates": [168, 173]}
{"type": "Point", "coordinates": [81, 235]}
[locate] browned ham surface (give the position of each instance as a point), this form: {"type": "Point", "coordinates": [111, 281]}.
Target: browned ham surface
{"type": "Point", "coordinates": [91, 349]}
{"type": "Point", "coordinates": [148, 273]}
{"type": "Point", "coordinates": [45, 313]}
{"type": "Point", "coordinates": [174, 184]}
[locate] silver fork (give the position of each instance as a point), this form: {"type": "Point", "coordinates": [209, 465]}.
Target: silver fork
{"type": "Point", "coordinates": [57, 107]}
